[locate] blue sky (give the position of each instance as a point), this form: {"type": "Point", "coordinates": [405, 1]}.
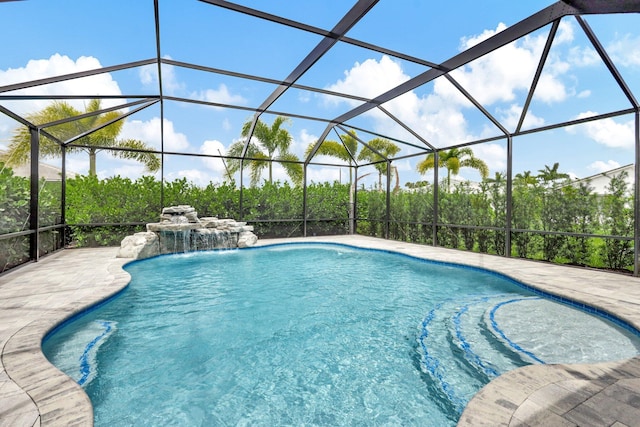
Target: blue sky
{"type": "Point", "coordinates": [43, 38]}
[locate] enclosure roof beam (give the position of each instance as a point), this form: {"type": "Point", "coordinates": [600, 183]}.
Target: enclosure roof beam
{"type": "Point", "coordinates": [243, 108]}
{"type": "Point", "coordinates": [55, 97]}
{"type": "Point", "coordinates": [607, 61]}
{"type": "Point", "coordinates": [77, 75]}
{"type": "Point", "coordinates": [316, 30]}
{"type": "Point", "coordinates": [28, 124]}
{"type": "Point", "coordinates": [93, 113]}
{"type": "Point", "coordinates": [586, 7]}
{"type": "Point", "coordinates": [384, 158]}
{"type": "Point", "coordinates": [320, 140]}
{"type": "Point", "coordinates": [339, 30]}
{"type": "Point", "coordinates": [104, 125]}
{"type": "Point", "coordinates": [407, 128]}
{"type": "Point", "coordinates": [536, 78]}
{"type": "Point", "coordinates": [353, 159]}
{"type": "Point", "coordinates": [476, 104]}
{"type": "Point", "coordinates": [379, 135]}
{"type": "Point", "coordinates": [345, 24]}
{"type": "Point", "coordinates": [260, 79]}
{"type": "Point", "coordinates": [510, 34]}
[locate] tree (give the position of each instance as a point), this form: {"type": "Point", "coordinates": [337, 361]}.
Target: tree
{"type": "Point", "coordinates": [550, 174]}
{"type": "Point", "coordinates": [618, 222]}
{"type": "Point", "coordinates": [378, 150]}
{"type": "Point", "coordinates": [454, 159]}
{"type": "Point", "coordinates": [19, 149]}
{"type": "Point", "coordinates": [526, 205]}
{"type": "Point", "coordinates": [268, 144]}
{"type": "Point", "coordinates": [581, 205]}
{"type": "Point", "coordinates": [345, 150]}
{"type": "Point", "coordinates": [500, 178]}
{"type": "Point", "coordinates": [496, 190]}
{"type": "Point", "coordinates": [526, 178]}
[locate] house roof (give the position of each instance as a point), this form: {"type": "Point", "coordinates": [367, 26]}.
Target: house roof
{"type": "Point", "coordinates": [46, 171]}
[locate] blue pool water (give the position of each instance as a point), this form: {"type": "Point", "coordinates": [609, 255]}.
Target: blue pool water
{"type": "Point", "coordinates": [313, 334]}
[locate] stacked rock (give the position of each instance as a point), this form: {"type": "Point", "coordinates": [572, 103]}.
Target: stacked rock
{"type": "Point", "coordinates": [180, 230]}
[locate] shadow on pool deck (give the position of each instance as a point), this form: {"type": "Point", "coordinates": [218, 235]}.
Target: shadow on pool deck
{"type": "Point", "coordinates": [38, 296]}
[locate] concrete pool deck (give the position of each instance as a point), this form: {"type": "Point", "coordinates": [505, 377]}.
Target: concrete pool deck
{"type": "Point", "coordinates": [38, 296]}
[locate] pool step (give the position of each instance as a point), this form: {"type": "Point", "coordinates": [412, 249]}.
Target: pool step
{"type": "Point", "coordinates": [459, 352]}
{"type": "Point", "coordinates": [481, 350]}
{"type": "Point", "coordinates": [83, 367]}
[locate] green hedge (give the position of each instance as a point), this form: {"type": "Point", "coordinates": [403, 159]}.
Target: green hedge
{"type": "Point", "coordinates": [14, 217]}
{"type": "Point", "coordinates": [102, 212]}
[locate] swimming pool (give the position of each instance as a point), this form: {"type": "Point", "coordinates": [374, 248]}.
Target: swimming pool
{"type": "Point", "coordinates": [310, 334]}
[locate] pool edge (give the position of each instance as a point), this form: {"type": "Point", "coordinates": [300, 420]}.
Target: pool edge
{"type": "Point", "coordinates": [49, 397]}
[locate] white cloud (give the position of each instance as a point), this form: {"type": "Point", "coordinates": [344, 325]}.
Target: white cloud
{"type": "Point", "coordinates": [301, 143]}
{"type": "Point", "coordinates": [56, 65]}
{"type": "Point", "coordinates": [305, 138]}
{"type": "Point", "coordinates": [600, 166]}
{"type": "Point", "coordinates": [501, 74]}
{"type": "Point", "coordinates": [496, 77]}
{"type": "Point", "coordinates": [439, 116]}
{"type": "Point", "coordinates": [607, 132]}
{"type": "Point", "coordinates": [583, 56]}
{"type": "Point", "coordinates": [326, 175]}
{"type": "Point", "coordinates": [404, 165]}
{"type": "Point", "coordinates": [149, 132]}
{"type": "Point", "coordinates": [469, 42]}
{"type": "Point", "coordinates": [625, 50]}
{"type": "Point", "coordinates": [279, 174]}
{"type": "Point", "coordinates": [215, 148]}
{"type": "Point", "coordinates": [222, 95]}
{"type": "Point", "coordinates": [494, 155]}
{"type": "Point", "coordinates": [584, 94]}
{"type": "Point", "coordinates": [550, 89]}
{"type": "Point", "coordinates": [128, 169]}
{"type": "Point", "coordinates": [368, 79]}
{"type": "Point", "coordinates": [78, 165]}
{"type": "Point", "coordinates": [35, 69]}
{"type": "Point", "coordinates": [304, 96]}
{"type": "Point", "coordinates": [226, 124]}
{"type": "Point", "coordinates": [565, 32]}
{"type": "Point", "coordinates": [196, 176]}
{"type": "Point", "coordinates": [149, 77]}
{"type": "Point", "coordinates": [510, 117]}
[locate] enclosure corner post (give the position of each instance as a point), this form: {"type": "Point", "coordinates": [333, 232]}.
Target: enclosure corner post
{"type": "Point", "coordinates": [241, 188]}
{"type": "Point", "coordinates": [34, 214]}
{"type": "Point", "coordinates": [509, 195]}
{"type": "Point", "coordinates": [353, 197]}
{"type": "Point", "coordinates": [434, 231]}
{"type": "Point", "coordinates": [304, 200]}
{"type": "Point", "coordinates": [636, 198]}
{"type": "Point", "coordinates": [388, 216]}
{"type": "Point", "coordinates": [63, 194]}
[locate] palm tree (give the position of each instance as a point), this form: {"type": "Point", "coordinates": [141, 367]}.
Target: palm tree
{"type": "Point", "coordinates": [378, 150]}
{"type": "Point", "coordinates": [453, 160]}
{"type": "Point", "coordinates": [345, 150]}
{"type": "Point", "coordinates": [499, 178]}
{"type": "Point", "coordinates": [551, 174]}
{"type": "Point", "coordinates": [268, 144]}
{"type": "Point", "coordinates": [19, 149]}
{"type": "Point", "coordinates": [526, 178]}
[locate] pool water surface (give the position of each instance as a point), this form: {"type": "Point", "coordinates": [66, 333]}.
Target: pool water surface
{"type": "Point", "coordinates": [313, 334]}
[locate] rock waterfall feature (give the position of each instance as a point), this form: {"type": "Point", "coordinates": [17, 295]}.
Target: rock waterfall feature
{"type": "Point", "coordinates": [180, 230]}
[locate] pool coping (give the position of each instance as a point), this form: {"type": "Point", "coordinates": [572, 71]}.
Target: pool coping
{"type": "Point", "coordinates": [39, 296]}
